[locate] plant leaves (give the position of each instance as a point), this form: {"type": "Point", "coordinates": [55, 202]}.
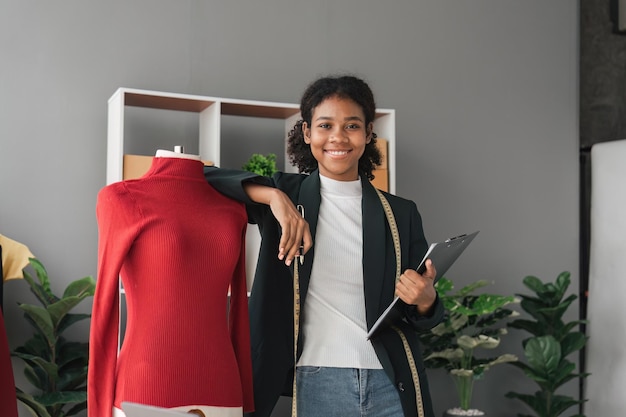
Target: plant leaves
{"type": "Point", "coordinates": [83, 287]}
{"type": "Point", "coordinates": [59, 309]}
{"type": "Point", "coordinates": [61, 398]}
{"type": "Point", "coordinates": [56, 367]}
{"type": "Point", "coordinates": [34, 407]}
{"type": "Point", "coordinates": [42, 320]}
{"type": "Point", "coordinates": [42, 276]}
{"type": "Point", "coordinates": [70, 319]}
{"type": "Point", "coordinates": [535, 402]}
{"type": "Point", "coordinates": [49, 368]}
{"type": "Point", "coordinates": [543, 354]}
{"type": "Point", "coordinates": [261, 164]}
{"type": "Point", "coordinates": [572, 342]}
{"type": "Point", "coordinates": [469, 343]}
{"type": "Point", "coordinates": [534, 284]}
{"type": "Point", "coordinates": [469, 289]}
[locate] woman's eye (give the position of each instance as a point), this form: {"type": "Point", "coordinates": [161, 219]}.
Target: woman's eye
{"type": "Point", "coordinates": [324, 125]}
{"type": "Point", "coordinates": [353, 126]}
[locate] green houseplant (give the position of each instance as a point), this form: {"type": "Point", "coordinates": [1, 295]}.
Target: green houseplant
{"type": "Point", "coordinates": [552, 341]}
{"type": "Point", "coordinates": [473, 322]}
{"type": "Point", "coordinates": [55, 366]}
{"type": "Point", "coordinates": [261, 164]}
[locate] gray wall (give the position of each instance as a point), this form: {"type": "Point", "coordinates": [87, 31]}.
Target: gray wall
{"type": "Point", "coordinates": [486, 94]}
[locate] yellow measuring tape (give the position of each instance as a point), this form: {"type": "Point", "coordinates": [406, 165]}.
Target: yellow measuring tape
{"type": "Point", "coordinates": [407, 349]}
{"type": "Point", "coordinates": [296, 322]}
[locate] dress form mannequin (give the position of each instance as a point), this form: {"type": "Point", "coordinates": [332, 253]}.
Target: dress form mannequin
{"type": "Point", "coordinates": [199, 261]}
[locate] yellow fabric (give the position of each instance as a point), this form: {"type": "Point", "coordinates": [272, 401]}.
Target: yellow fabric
{"type": "Point", "coordinates": [14, 258]}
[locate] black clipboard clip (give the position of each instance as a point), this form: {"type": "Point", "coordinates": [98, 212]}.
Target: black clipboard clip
{"type": "Point", "coordinates": [452, 239]}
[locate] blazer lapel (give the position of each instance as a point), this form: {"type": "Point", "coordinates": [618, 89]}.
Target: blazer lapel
{"type": "Point", "coordinates": [309, 197]}
{"type": "Point", "coordinates": [374, 252]}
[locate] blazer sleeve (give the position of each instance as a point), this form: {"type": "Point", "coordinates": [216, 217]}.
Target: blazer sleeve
{"type": "Point", "coordinates": [230, 182]}
{"type": "Point", "coordinates": [418, 247]}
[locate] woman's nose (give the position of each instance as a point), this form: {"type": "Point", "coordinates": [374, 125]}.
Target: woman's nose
{"type": "Point", "coordinates": [338, 136]}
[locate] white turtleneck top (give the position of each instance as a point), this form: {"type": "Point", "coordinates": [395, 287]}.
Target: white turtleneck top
{"type": "Point", "coordinates": [335, 329]}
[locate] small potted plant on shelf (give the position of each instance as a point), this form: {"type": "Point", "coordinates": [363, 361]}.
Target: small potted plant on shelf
{"type": "Point", "coordinates": [552, 341]}
{"type": "Point", "coordinates": [261, 164]}
{"type": "Point", "coordinates": [55, 366]}
{"type": "Point", "coordinates": [472, 323]}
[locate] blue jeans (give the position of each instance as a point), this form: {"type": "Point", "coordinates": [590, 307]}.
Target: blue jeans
{"type": "Point", "coordinates": [346, 392]}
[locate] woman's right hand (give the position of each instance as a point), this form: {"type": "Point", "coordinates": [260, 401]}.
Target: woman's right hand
{"type": "Point", "coordinates": [295, 239]}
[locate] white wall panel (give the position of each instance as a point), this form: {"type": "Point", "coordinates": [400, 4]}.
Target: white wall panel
{"type": "Point", "coordinates": [606, 356]}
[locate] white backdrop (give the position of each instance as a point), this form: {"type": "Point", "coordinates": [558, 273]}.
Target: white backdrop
{"type": "Point", "coordinates": [606, 349]}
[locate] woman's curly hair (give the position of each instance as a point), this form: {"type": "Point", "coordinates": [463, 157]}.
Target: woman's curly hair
{"type": "Point", "coordinates": [347, 87]}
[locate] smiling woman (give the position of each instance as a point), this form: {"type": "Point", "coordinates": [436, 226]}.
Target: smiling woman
{"type": "Point", "coordinates": [347, 280]}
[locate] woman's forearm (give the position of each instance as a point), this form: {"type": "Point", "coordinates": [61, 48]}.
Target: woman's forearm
{"type": "Point", "coordinates": [262, 194]}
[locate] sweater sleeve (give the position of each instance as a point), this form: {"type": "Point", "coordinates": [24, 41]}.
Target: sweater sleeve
{"type": "Point", "coordinates": [117, 227]}
{"type": "Point", "coordinates": [240, 328]}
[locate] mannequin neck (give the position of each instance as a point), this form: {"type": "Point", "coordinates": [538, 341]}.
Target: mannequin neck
{"type": "Point", "coordinates": [162, 153]}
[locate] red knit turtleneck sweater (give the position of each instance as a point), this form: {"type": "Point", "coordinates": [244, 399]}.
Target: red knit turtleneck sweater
{"type": "Point", "coordinates": [178, 246]}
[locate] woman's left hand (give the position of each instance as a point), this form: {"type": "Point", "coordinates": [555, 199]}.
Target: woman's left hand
{"type": "Point", "coordinates": [418, 290]}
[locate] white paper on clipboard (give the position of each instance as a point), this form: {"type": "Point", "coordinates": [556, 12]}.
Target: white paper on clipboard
{"type": "Point", "coordinates": [443, 255]}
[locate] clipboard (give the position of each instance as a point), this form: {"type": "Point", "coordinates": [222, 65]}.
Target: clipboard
{"type": "Point", "coordinates": [443, 254]}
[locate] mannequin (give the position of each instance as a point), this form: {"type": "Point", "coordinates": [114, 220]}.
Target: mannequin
{"type": "Point", "coordinates": [179, 247]}
{"type": "Point", "coordinates": [14, 257]}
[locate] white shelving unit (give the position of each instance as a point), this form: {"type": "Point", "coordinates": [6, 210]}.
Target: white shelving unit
{"type": "Point", "coordinates": [210, 111]}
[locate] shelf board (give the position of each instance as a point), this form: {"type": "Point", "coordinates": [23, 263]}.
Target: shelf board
{"type": "Point", "coordinates": [166, 103]}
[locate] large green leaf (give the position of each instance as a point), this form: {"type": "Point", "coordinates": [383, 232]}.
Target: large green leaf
{"type": "Point", "coordinates": [561, 403]}
{"type": "Point", "coordinates": [534, 284]}
{"type": "Point", "coordinates": [43, 321]}
{"type": "Point", "coordinates": [562, 374]}
{"type": "Point", "coordinates": [535, 402]}
{"type": "Point", "coordinates": [72, 379]}
{"type": "Point", "coordinates": [68, 352]}
{"type": "Point", "coordinates": [535, 307]}
{"type": "Point", "coordinates": [59, 309]}
{"type": "Point", "coordinates": [34, 407]}
{"type": "Point", "coordinates": [83, 287]}
{"type": "Point", "coordinates": [543, 354]}
{"type": "Point", "coordinates": [36, 346]}
{"type": "Point", "coordinates": [49, 368]}
{"type": "Point", "coordinates": [555, 312]}
{"type": "Point", "coordinates": [572, 342]}
{"type": "Point", "coordinates": [44, 280]}
{"type": "Point", "coordinates": [488, 303]}
{"type": "Point", "coordinates": [532, 327]}
{"type": "Point", "coordinates": [562, 283]}
{"type": "Point", "coordinates": [61, 398]}
{"type": "Point", "coordinates": [70, 319]}
{"type": "Point", "coordinates": [36, 377]}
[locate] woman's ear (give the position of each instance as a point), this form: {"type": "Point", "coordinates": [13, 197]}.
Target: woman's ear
{"type": "Point", "coordinates": [306, 132]}
{"type": "Point", "coordinates": [370, 129]}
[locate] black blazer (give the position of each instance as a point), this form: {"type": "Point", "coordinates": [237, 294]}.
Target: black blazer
{"type": "Point", "coordinates": [271, 300]}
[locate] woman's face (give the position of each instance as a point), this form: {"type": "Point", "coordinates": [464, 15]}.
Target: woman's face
{"type": "Point", "coordinates": [337, 136]}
